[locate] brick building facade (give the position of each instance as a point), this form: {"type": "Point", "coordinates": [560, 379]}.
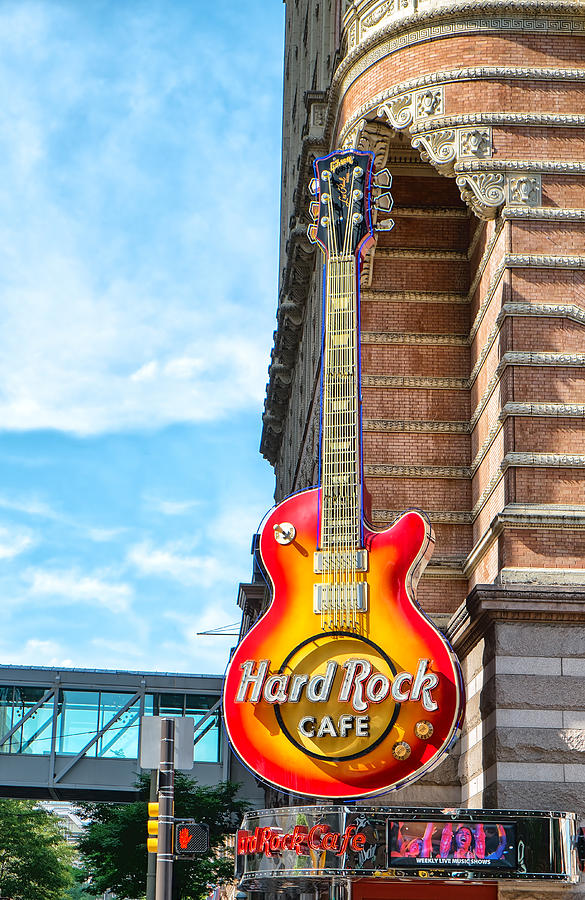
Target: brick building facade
{"type": "Point", "coordinates": [473, 348]}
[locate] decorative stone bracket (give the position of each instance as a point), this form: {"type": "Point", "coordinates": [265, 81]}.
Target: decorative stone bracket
{"type": "Point", "coordinates": [456, 150]}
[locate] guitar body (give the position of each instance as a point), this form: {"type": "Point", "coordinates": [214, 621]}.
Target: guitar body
{"type": "Point", "coordinates": [332, 706]}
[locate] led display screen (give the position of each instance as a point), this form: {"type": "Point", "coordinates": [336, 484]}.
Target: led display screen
{"type": "Point", "coordinates": [469, 845]}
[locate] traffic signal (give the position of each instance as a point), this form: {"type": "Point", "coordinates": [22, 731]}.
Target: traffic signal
{"type": "Point", "coordinates": [152, 828]}
{"type": "Point", "coordinates": [191, 837]}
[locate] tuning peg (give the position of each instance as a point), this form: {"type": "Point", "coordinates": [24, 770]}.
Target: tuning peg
{"type": "Point", "coordinates": [384, 225]}
{"type": "Point", "coordinates": [383, 178]}
{"type": "Point", "coordinates": [314, 208]}
{"type": "Point", "coordinates": [312, 233]}
{"type": "Point", "coordinates": [384, 202]}
{"type": "Point", "coordinates": [313, 186]}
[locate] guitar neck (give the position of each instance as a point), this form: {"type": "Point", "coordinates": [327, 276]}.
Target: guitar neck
{"type": "Point", "coordinates": [341, 482]}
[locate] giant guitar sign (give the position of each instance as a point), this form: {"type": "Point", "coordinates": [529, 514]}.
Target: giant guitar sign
{"type": "Point", "coordinates": [343, 688]}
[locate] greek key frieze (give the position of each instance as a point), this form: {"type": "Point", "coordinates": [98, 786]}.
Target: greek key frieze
{"type": "Point", "coordinates": [374, 47]}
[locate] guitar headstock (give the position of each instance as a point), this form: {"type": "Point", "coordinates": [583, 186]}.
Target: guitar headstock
{"type": "Point", "coordinates": [344, 187]}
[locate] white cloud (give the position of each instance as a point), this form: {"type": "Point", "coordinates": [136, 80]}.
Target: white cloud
{"type": "Point", "coordinates": [72, 587]}
{"type": "Point", "coordinates": [13, 542]}
{"type": "Point", "coordinates": [31, 506]}
{"type": "Point", "coordinates": [102, 535]}
{"type": "Point", "coordinates": [168, 561]}
{"type": "Point", "coordinates": [139, 272]}
{"type": "Point", "coordinates": [36, 652]}
{"type": "Point", "coordinates": [172, 507]}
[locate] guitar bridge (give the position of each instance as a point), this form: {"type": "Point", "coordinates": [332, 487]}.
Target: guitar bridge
{"type": "Point", "coordinates": [340, 597]}
{"type": "Point", "coordinates": [340, 561]}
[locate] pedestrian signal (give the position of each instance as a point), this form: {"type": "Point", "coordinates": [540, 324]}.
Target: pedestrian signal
{"type": "Point", "coordinates": [191, 838]}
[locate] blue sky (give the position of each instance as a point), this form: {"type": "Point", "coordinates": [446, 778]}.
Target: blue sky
{"type": "Point", "coordinates": [139, 188]}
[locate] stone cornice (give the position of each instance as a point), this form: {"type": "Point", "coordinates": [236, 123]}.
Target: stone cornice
{"type": "Point", "coordinates": [559, 167]}
{"type": "Point", "coordinates": [544, 461]}
{"type": "Point", "coordinates": [541, 576]}
{"type": "Point", "coordinates": [542, 213]}
{"type": "Point", "coordinates": [549, 410]}
{"type": "Point", "coordinates": [489, 603]}
{"type": "Point", "coordinates": [542, 120]}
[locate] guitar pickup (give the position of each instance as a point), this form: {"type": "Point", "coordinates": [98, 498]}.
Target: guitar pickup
{"type": "Point", "coordinates": [340, 561]}
{"type": "Point", "coordinates": [342, 598]}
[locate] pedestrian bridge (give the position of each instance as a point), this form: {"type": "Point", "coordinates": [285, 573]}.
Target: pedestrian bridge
{"type": "Point", "coordinates": [72, 734]}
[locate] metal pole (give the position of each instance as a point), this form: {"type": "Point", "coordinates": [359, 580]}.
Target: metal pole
{"type": "Point", "coordinates": [166, 792]}
{"type": "Point", "coordinates": [151, 870]}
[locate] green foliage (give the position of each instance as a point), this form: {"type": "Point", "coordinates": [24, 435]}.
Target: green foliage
{"type": "Point", "coordinates": [35, 860]}
{"type": "Point", "coordinates": [113, 849]}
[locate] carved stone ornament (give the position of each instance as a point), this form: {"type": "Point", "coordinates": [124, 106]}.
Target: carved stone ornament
{"type": "Point", "coordinates": [378, 14]}
{"type": "Point", "coordinates": [483, 192]}
{"type": "Point", "coordinates": [318, 114]}
{"type": "Point", "coordinates": [475, 143]}
{"type": "Point", "coordinates": [438, 148]}
{"type": "Point", "coordinates": [525, 190]}
{"type": "Point", "coordinates": [429, 102]}
{"type": "Point", "coordinates": [399, 111]}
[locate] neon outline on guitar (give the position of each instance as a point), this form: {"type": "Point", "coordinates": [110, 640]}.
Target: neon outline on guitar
{"type": "Point", "coordinates": [343, 688]}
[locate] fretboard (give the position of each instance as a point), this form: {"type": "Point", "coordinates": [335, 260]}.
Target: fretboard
{"type": "Point", "coordinates": [341, 512]}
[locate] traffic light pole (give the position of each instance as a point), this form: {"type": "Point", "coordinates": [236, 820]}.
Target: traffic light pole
{"type": "Point", "coordinates": [166, 792]}
{"type": "Point", "coordinates": [151, 869]}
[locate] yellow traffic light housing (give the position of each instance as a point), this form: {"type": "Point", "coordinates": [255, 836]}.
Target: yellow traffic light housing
{"type": "Point", "coordinates": [152, 828]}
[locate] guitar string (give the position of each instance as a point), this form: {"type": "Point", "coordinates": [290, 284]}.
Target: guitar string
{"type": "Point", "coordinates": [341, 495]}
{"type": "Point", "coordinates": [335, 487]}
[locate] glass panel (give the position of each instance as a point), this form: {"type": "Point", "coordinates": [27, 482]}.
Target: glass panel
{"type": "Point", "coordinates": [5, 716]}
{"type": "Point", "coordinates": [35, 734]}
{"type": "Point", "coordinates": [78, 722]}
{"type": "Point", "coordinates": [170, 704]}
{"type": "Point", "coordinates": [120, 741]}
{"type": "Point", "coordinates": [207, 735]}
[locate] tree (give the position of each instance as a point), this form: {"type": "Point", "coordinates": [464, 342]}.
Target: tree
{"type": "Point", "coordinates": [113, 848]}
{"type": "Point", "coordinates": [35, 860]}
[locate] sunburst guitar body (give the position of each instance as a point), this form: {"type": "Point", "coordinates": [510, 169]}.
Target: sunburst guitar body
{"type": "Point", "coordinates": [343, 688]}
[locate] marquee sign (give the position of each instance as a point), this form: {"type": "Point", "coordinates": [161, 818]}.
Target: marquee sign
{"type": "Point", "coordinates": [344, 688]}
{"type": "Point", "coordinates": [301, 845]}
